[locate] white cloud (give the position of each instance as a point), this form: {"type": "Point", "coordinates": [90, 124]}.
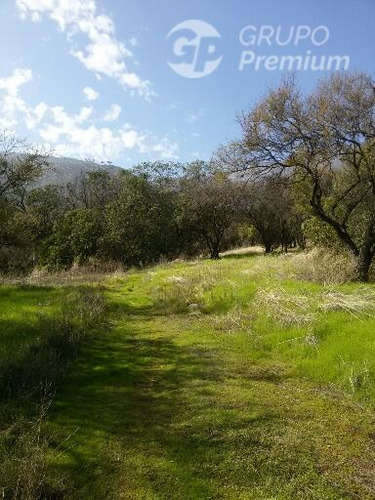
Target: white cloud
{"type": "Point", "coordinates": [90, 94]}
{"type": "Point", "coordinates": [84, 114]}
{"type": "Point", "coordinates": [102, 53]}
{"type": "Point", "coordinates": [68, 137]}
{"type": "Point", "coordinates": [112, 113]}
{"type": "Point", "coordinates": [164, 147]}
{"type": "Point", "coordinates": [35, 115]}
{"type": "Point", "coordinates": [12, 105]}
{"type": "Point", "coordinates": [175, 105]}
{"type": "Point", "coordinates": [12, 84]}
{"type": "Point", "coordinates": [76, 134]}
{"type": "Point", "coordinates": [131, 138]}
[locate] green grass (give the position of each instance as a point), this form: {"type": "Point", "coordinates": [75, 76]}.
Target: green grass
{"type": "Point", "coordinates": [42, 331]}
{"type": "Point", "coordinates": [21, 309]}
{"type": "Point", "coordinates": [234, 379]}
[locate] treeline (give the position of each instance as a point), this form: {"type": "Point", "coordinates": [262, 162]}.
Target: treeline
{"type": "Point", "coordinates": [302, 171]}
{"type": "Point", "coordinates": [137, 217]}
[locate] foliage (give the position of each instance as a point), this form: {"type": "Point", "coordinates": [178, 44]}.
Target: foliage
{"type": "Point", "coordinates": [326, 139]}
{"type": "Point", "coordinates": [210, 206]}
{"type": "Point", "coordinates": [307, 165]}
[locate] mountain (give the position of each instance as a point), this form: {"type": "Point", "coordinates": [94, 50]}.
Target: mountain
{"type": "Point", "coordinates": [63, 170]}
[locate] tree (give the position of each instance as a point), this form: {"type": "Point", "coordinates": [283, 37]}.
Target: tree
{"type": "Point", "coordinates": [20, 167]}
{"type": "Point", "coordinates": [75, 237]}
{"type": "Point", "coordinates": [210, 206]}
{"type": "Point", "coordinates": [93, 189]}
{"type": "Point", "coordinates": [326, 142]}
{"type": "Point", "coordinates": [162, 173]}
{"type": "Point", "coordinates": [140, 223]}
{"type": "Point", "coordinates": [269, 206]}
{"type": "Point", "coordinates": [46, 204]}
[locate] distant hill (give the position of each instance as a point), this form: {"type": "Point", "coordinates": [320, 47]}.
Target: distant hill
{"type": "Point", "coordinates": [64, 170]}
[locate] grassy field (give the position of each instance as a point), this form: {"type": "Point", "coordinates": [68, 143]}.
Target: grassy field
{"type": "Point", "coordinates": [42, 331]}
{"type": "Point", "coordinates": [244, 378]}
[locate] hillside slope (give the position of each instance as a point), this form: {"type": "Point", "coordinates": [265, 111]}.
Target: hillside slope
{"type": "Point", "coordinates": [63, 170]}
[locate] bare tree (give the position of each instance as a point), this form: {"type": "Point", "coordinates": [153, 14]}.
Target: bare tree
{"type": "Point", "coordinates": [20, 166]}
{"type": "Point", "coordinates": [326, 141]}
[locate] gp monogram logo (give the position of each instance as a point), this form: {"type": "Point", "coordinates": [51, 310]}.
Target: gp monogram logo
{"type": "Point", "coordinates": [195, 51]}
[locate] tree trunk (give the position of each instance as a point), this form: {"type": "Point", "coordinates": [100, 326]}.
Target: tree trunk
{"type": "Point", "coordinates": [215, 254]}
{"type": "Point", "coordinates": [362, 263]}
{"type": "Point", "coordinates": [267, 247]}
{"type": "Point", "coordinates": [362, 256]}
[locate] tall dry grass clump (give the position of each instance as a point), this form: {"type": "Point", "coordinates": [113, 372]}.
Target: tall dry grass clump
{"type": "Point", "coordinates": [302, 308]}
{"type": "Point", "coordinates": [322, 266]}
{"type": "Point", "coordinates": [184, 293]}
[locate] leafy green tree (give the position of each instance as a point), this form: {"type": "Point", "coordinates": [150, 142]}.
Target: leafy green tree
{"type": "Point", "coordinates": [74, 238]}
{"type": "Point", "coordinates": [94, 189]}
{"type": "Point", "coordinates": [210, 206]}
{"type": "Point", "coordinates": [140, 223]}
{"type": "Point", "coordinates": [46, 204]}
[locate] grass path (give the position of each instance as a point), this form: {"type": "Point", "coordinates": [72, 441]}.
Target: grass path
{"type": "Point", "coordinates": [162, 407]}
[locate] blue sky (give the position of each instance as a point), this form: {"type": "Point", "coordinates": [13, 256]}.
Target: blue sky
{"type": "Point", "coordinates": [90, 78]}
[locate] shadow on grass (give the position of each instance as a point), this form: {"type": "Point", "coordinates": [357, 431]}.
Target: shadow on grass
{"type": "Point", "coordinates": [130, 388]}
{"type": "Point", "coordinates": [15, 337]}
{"type": "Point", "coordinates": [144, 415]}
{"type": "Point", "coordinates": [150, 414]}
{"type": "Point", "coordinates": [21, 310]}
{"type": "Point", "coordinates": [150, 418]}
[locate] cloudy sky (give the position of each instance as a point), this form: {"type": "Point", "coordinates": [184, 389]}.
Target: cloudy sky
{"type": "Point", "coordinates": [91, 79]}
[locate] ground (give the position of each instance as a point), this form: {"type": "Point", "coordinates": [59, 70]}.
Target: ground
{"type": "Point", "coordinates": [236, 379]}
